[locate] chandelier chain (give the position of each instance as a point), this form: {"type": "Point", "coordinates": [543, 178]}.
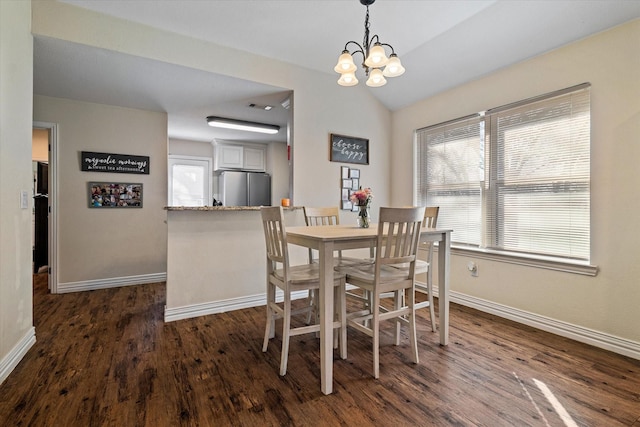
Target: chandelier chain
{"type": "Point", "coordinates": [365, 42]}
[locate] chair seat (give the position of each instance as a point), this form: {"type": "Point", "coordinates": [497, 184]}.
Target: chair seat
{"type": "Point", "coordinates": [421, 266]}
{"type": "Point", "coordinates": [303, 274]}
{"type": "Point", "coordinates": [367, 272]}
{"type": "Point", "coordinates": [339, 262]}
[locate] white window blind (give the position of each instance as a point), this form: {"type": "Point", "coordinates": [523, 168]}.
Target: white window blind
{"type": "Point", "coordinates": [540, 175]}
{"type": "Point", "coordinates": [450, 170]}
{"type": "Point", "coordinates": [533, 197]}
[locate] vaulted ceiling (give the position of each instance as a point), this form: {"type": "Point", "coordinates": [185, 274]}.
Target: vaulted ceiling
{"type": "Point", "coordinates": [441, 44]}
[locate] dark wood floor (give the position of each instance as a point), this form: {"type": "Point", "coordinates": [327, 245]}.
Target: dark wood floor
{"type": "Point", "coordinates": [106, 358]}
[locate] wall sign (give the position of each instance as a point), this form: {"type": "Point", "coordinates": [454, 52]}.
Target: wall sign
{"type": "Point", "coordinates": [117, 163]}
{"type": "Point", "coordinates": [348, 149]}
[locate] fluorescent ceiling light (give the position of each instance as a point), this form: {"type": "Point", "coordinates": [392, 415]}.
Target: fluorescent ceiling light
{"type": "Point", "coordinates": [242, 125]}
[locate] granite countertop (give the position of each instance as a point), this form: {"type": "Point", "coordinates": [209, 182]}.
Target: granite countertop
{"type": "Point", "coordinates": [221, 208]}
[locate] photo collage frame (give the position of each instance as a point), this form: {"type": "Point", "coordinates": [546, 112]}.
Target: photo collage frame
{"type": "Point", "coordinates": [349, 183]}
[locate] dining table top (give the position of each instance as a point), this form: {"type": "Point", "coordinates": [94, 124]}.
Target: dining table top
{"type": "Point", "coordinates": [345, 232]}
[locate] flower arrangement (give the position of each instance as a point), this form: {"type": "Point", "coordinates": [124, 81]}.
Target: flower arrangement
{"type": "Point", "coordinates": [362, 197]}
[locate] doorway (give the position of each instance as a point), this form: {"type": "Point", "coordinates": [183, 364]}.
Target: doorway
{"type": "Point", "coordinates": [43, 214]}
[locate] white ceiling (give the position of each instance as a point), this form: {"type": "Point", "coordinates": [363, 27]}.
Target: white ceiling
{"type": "Point", "coordinates": [442, 43]}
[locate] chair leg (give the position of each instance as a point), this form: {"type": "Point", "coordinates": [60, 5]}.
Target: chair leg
{"type": "Point", "coordinates": [412, 325]}
{"type": "Point", "coordinates": [375, 326]}
{"type": "Point", "coordinates": [312, 300]}
{"type": "Point", "coordinates": [398, 302]}
{"type": "Point", "coordinates": [342, 301]}
{"type": "Point", "coordinates": [270, 327]}
{"type": "Point", "coordinates": [286, 326]}
{"type": "Point", "coordinates": [336, 314]}
{"type": "Point", "coordinates": [432, 313]}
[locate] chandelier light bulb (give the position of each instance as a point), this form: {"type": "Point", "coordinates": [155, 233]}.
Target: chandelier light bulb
{"type": "Point", "coordinates": [345, 63]}
{"type": "Point", "coordinates": [348, 79]}
{"type": "Point", "coordinates": [394, 67]}
{"type": "Point", "coordinates": [376, 79]}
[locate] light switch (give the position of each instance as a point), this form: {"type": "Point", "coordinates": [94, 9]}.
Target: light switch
{"type": "Point", "coordinates": [24, 200]}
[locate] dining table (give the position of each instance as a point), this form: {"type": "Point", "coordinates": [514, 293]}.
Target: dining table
{"type": "Point", "coordinates": [327, 239]}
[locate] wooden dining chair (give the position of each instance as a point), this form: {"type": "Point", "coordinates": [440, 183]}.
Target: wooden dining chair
{"type": "Point", "coordinates": [305, 277]}
{"type": "Point", "coordinates": [331, 216]}
{"type": "Point", "coordinates": [397, 243]}
{"type": "Point", "coordinates": [423, 266]}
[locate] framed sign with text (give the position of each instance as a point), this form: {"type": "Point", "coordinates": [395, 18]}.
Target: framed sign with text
{"type": "Point", "coordinates": [348, 149]}
{"type": "Point", "coordinates": [118, 163]}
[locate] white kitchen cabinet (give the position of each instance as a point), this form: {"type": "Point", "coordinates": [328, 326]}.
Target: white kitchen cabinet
{"type": "Point", "coordinates": [229, 157]}
{"type": "Point", "coordinates": [242, 157]}
{"type": "Point", "coordinates": [254, 159]}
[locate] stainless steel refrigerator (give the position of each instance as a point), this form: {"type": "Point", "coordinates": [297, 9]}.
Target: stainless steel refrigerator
{"type": "Point", "coordinates": [238, 188]}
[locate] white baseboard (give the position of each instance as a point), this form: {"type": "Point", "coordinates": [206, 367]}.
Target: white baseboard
{"type": "Point", "coordinates": [11, 360]}
{"type": "Point", "coordinates": [578, 333]}
{"type": "Point", "coordinates": [216, 307]}
{"type": "Point", "coordinates": [112, 282]}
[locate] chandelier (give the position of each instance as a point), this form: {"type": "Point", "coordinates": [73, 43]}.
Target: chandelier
{"type": "Point", "coordinates": [376, 64]}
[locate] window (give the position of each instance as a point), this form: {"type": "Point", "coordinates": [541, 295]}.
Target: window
{"type": "Point", "coordinates": [189, 181]}
{"type": "Point", "coordinates": [513, 179]}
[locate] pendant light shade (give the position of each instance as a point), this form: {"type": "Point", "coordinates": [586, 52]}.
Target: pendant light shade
{"type": "Point", "coordinates": [348, 79]}
{"type": "Point", "coordinates": [377, 57]}
{"type": "Point", "coordinates": [393, 68]}
{"type": "Point", "coordinates": [376, 79]}
{"type": "Point", "coordinates": [345, 63]}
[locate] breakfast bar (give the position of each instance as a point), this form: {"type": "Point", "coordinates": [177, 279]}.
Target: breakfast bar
{"type": "Point", "coordinates": [216, 259]}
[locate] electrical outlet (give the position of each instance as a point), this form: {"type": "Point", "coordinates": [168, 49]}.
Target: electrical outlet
{"type": "Point", "coordinates": [473, 268]}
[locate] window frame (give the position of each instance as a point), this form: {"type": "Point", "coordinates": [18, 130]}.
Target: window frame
{"type": "Point", "coordinates": [489, 226]}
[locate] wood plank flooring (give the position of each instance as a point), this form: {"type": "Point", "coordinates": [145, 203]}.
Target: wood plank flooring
{"type": "Point", "coordinates": [106, 358]}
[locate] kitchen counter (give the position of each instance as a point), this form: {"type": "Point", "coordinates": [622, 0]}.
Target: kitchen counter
{"type": "Point", "coordinates": [223, 208]}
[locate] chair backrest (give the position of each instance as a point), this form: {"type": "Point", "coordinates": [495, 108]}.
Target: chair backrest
{"type": "Point", "coordinates": [275, 237]}
{"type": "Point", "coordinates": [398, 235]}
{"type": "Point", "coordinates": [321, 216]}
{"type": "Point", "coordinates": [430, 216]}
{"type": "Point", "coordinates": [430, 221]}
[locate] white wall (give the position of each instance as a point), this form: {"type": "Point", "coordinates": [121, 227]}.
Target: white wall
{"type": "Point", "coordinates": [278, 168]}
{"type": "Point", "coordinates": [184, 147]}
{"type": "Point", "coordinates": [17, 334]}
{"type": "Point", "coordinates": [107, 244]}
{"type": "Point", "coordinates": [607, 303]}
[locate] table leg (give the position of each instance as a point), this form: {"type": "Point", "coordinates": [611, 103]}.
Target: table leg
{"type": "Point", "coordinates": [326, 316]}
{"type": "Point", "coordinates": [444, 261]}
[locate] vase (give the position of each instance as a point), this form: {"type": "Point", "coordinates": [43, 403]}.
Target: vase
{"type": "Point", "coordinates": [364, 217]}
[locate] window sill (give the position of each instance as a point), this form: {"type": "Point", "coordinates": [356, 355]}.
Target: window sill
{"type": "Point", "coordinates": [549, 263]}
